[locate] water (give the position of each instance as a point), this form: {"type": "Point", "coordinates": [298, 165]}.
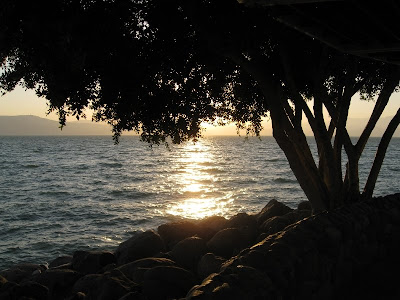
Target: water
{"type": "Point", "coordinates": [61, 194]}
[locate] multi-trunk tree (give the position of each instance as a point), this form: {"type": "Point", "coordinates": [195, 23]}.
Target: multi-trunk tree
{"type": "Point", "coordinates": [163, 67]}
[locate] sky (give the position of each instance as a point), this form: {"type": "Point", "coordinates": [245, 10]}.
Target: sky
{"type": "Point", "coordinates": [22, 102]}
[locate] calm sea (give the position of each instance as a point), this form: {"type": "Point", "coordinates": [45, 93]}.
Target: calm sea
{"type": "Point", "coordinates": [61, 194]}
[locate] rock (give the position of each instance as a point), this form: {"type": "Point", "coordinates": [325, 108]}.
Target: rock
{"type": "Point", "coordinates": [142, 245]}
{"type": "Point", "coordinates": [214, 287]}
{"type": "Point", "coordinates": [135, 270]}
{"type": "Point", "coordinates": [61, 261]}
{"type": "Point", "coordinates": [188, 252]}
{"type": "Point", "coordinates": [91, 262]}
{"type": "Point", "coordinates": [131, 296]}
{"type": "Point", "coordinates": [275, 224]}
{"type": "Point", "coordinates": [22, 272]}
{"type": "Point", "coordinates": [167, 282]}
{"type": "Point", "coordinates": [108, 286]}
{"type": "Point", "coordinates": [297, 215]}
{"type": "Point", "coordinates": [78, 296]}
{"type": "Point", "coordinates": [272, 209]}
{"type": "Point", "coordinates": [30, 290]}
{"type": "Point", "coordinates": [58, 281]}
{"type": "Point", "coordinates": [211, 225]}
{"type": "Point", "coordinates": [304, 205]}
{"type": "Point", "coordinates": [253, 283]}
{"type": "Point", "coordinates": [172, 233]}
{"type": "Point", "coordinates": [6, 288]}
{"type": "Point", "coordinates": [229, 241]}
{"type": "Point", "coordinates": [208, 264]}
{"type": "Point", "coordinates": [241, 220]}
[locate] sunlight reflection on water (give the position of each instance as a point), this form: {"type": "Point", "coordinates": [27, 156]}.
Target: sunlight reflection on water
{"type": "Point", "coordinates": [199, 199]}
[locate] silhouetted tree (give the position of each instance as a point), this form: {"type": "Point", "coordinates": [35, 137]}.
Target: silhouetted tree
{"type": "Point", "coordinates": [163, 67]}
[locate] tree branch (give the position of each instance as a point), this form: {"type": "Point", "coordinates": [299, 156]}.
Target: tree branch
{"type": "Point", "coordinates": [380, 155]}
{"type": "Point", "coordinates": [379, 107]}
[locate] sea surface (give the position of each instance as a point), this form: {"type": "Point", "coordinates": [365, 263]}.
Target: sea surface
{"type": "Point", "coordinates": [61, 194]}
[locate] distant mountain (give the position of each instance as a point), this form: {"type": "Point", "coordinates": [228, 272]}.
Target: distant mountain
{"type": "Point", "coordinates": [33, 125]}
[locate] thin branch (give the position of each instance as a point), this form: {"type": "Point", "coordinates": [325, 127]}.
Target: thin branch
{"type": "Point", "coordinates": [347, 140]}
{"type": "Point", "coordinates": [380, 155]}
{"type": "Point", "coordinates": [289, 112]}
{"type": "Point", "coordinates": [379, 107]}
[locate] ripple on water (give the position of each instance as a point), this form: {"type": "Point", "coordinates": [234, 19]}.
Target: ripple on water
{"type": "Point", "coordinates": [81, 193]}
{"type": "Point", "coordinates": [284, 180]}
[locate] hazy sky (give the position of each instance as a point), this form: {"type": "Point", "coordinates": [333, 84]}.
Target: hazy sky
{"type": "Point", "coordinates": [21, 102]}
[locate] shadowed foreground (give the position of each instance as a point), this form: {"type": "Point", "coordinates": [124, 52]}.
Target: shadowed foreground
{"type": "Point", "coordinates": [279, 253]}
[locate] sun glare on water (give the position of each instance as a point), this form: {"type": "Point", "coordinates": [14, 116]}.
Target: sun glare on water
{"type": "Point", "coordinates": [200, 198]}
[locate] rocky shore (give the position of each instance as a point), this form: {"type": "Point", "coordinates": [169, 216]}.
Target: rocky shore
{"type": "Point", "coordinates": [279, 253]}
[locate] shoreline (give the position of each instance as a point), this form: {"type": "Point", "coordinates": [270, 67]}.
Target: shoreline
{"type": "Point", "coordinates": [277, 253]}
{"type": "Point", "coordinates": [188, 248]}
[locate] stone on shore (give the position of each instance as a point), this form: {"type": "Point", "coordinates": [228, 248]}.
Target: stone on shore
{"type": "Point", "coordinates": [58, 281]}
{"type": "Point", "coordinates": [304, 205]}
{"type": "Point", "coordinates": [61, 261]}
{"type": "Point", "coordinates": [91, 262]}
{"type": "Point", "coordinates": [242, 220]}
{"type": "Point", "coordinates": [274, 225]}
{"type": "Point", "coordinates": [145, 244]}
{"type": "Point", "coordinates": [208, 264]}
{"type": "Point", "coordinates": [174, 232]}
{"type": "Point", "coordinates": [135, 270]}
{"type": "Point", "coordinates": [24, 290]}
{"type": "Point", "coordinates": [213, 223]}
{"type": "Point", "coordinates": [108, 286]}
{"type": "Point", "coordinates": [188, 252]}
{"type": "Point", "coordinates": [297, 215]}
{"type": "Point", "coordinates": [229, 241]}
{"type": "Point", "coordinates": [167, 282]}
{"type": "Point", "coordinates": [22, 272]}
{"type": "Point", "coordinates": [272, 209]}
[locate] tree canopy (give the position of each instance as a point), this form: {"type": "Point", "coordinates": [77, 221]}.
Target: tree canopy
{"type": "Point", "coordinates": [163, 67]}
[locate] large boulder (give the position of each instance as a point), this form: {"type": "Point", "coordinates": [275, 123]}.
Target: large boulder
{"type": "Point", "coordinates": [145, 244]}
{"type": "Point", "coordinates": [25, 290]}
{"type": "Point", "coordinates": [241, 220]}
{"type": "Point", "coordinates": [58, 281]}
{"type": "Point", "coordinates": [297, 215]}
{"type": "Point", "coordinates": [211, 225]}
{"type": "Point", "coordinates": [272, 209]}
{"type": "Point", "coordinates": [174, 232]}
{"type": "Point", "coordinates": [275, 224]}
{"type": "Point", "coordinates": [30, 290]}
{"type": "Point", "coordinates": [243, 283]}
{"type": "Point", "coordinates": [188, 252]}
{"type": "Point", "coordinates": [21, 272]}
{"type": "Point", "coordinates": [167, 282]}
{"type": "Point", "coordinates": [215, 287]}
{"type": "Point", "coordinates": [135, 270]}
{"type": "Point", "coordinates": [108, 286]}
{"type": "Point", "coordinates": [304, 205]}
{"type": "Point", "coordinates": [229, 241]}
{"type": "Point", "coordinates": [91, 262]}
{"type": "Point", "coordinates": [61, 261]}
{"type": "Point", "coordinates": [208, 264]}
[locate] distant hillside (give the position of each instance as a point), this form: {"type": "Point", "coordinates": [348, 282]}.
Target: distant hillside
{"type": "Point", "coordinates": [33, 125]}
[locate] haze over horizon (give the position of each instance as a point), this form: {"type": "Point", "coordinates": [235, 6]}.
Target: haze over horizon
{"type": "Point", "coordinates": [24, 103]}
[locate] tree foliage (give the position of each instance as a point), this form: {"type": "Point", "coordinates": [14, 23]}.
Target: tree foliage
{"type": "Point", "coordinates": [163, 67]}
